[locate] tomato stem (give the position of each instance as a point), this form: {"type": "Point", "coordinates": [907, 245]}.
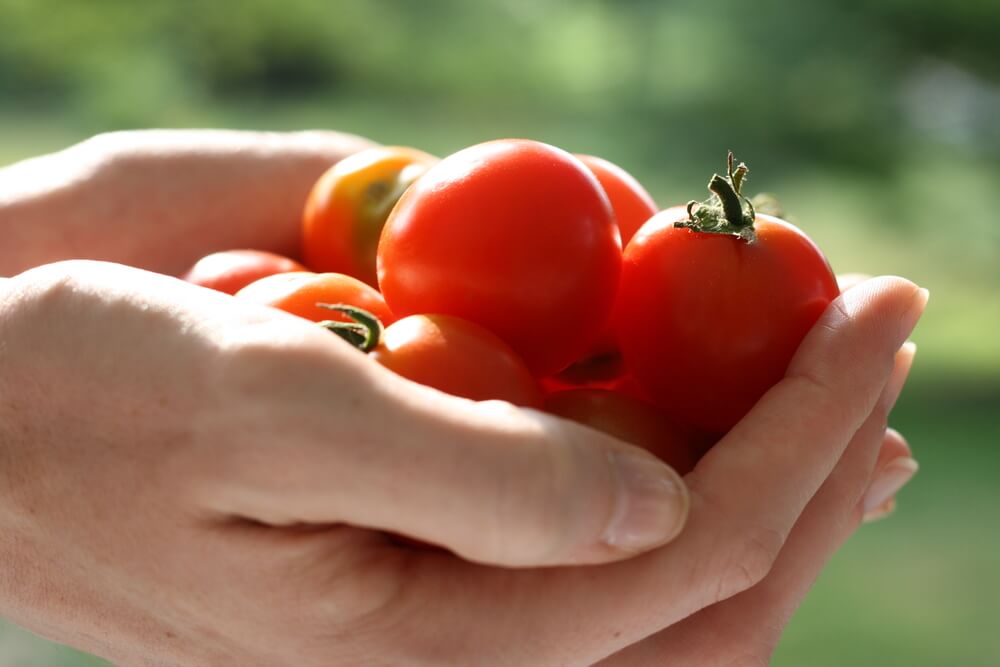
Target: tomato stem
{"type": "Point", "coordinates": [363, 332]}
{"type": "Point", "coordinates": [727, 211]}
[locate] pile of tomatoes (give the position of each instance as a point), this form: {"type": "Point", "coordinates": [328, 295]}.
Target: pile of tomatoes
{"type": "Point", "coordinates": [514, 270]}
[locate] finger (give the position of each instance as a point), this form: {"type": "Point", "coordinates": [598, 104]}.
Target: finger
{"type": "Point", "coordinates": [752, 621]}
{"type": "Point", "coordinates": [160, 199]}
{"type": "Point", "coordinates": [488, 481]}
{"type": "Point", "coordinates": [747, 493]}
{"type": "Point", "coordinates": [895, 468]}
{"type": "Point", "coordinates": [848, 280]}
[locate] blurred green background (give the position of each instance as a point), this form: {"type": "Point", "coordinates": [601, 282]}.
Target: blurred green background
{"type": "Point", "coordinates": [878, 124]}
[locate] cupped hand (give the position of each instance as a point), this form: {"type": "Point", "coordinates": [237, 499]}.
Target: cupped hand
{"type": "Point", "coordinates": [189, 479]}
{"type": "Point", "coordinates": [192, 480]}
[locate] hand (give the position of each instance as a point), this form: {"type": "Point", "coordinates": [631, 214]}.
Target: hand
{"type": "Point", "coordinates": [746, 629]}
{"type": "Point", "coordinates": [161, 199]}
{"type": "Point", "coordinates": [192, 480]}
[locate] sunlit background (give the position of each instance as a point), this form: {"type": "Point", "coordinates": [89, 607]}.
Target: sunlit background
{"type": "Point", "coordinates": [876, 122]}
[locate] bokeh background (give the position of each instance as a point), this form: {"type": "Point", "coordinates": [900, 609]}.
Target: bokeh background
{"type": "Point", "coordinates": [877, 122]}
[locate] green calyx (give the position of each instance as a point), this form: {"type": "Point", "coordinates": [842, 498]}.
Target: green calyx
{"type": "Point", "coordinates": [727, 211]}
{"type": "Point", "coordinates": [364, 331]}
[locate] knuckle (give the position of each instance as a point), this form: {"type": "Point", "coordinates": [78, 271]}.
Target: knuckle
{"type": "Point", "coordinates": [748, 560]}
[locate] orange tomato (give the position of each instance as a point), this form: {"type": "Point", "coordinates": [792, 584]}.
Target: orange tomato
{"type": "Point", "coordinates": [349, 204]}
{"type": "Point", "coordinates": [298, 294]}
{"type": "Point", "coordinates": [457, 357]}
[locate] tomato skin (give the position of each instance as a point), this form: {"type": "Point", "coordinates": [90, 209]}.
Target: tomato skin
{"type": "Point", "coordinates": [707, 323]}
{"type": "Point", "coordinates": [298, 294]}
{"type": "Point", "coordinates": [630, 419]}
{"type": "Point", "coordinates": [348, 205]}
{"type": "Point", "coordinates": [230, 271]}
{"type": "Point", "coordinates": [514, 235]}
{"type": "Point", "coordinates": [632, 204]}
{"type": "Point", "coordinates": [457, 357]}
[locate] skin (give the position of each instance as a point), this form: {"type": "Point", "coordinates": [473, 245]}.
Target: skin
{"type": "Point", "coordinates": [232, 468]}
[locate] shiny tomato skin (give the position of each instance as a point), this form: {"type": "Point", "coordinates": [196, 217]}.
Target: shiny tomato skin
{"type": "Point", "coordinates": [632, 204]}
{"type": "Point", "coordinates": [707, 323]}
{"type": "Point", "coordinates": [230, 271]}
{"type": "Point", "coordinates": [514, 235]}
{"type": "Point", "coordinates": [457, 357]}
{"type": "Point", "coordinates": [298, 294]}
{"type": "Point", "coordinates": [349, 204]}
{"type": "Point", "coordinates": [630, 419]}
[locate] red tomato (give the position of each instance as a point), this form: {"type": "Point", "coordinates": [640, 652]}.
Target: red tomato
{"type": "Point", "coordinates": [457, 357]}
{"type": "Point", "coordinates": [232, 270]}
{"type": "Point", "coordinates": [298, 294]}
{"type": "Point", "coordinates": [632, 205]}
{"type": "Point", "coordinates": [630, 419]}
{"type": "Point", "coordinates": [348, 206]}
{"type": "Point", "coordinates": [514, 235]}
{"type": "Point", "coordinates": [600, 372]}
{"type": "Point", "coordinates": [708, 321]}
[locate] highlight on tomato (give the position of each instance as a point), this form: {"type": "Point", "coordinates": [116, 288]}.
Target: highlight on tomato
{"type": "Point", "coordinates": [714, 300]}
{"type": "Point", "coordinates": [299, 293]}
{"type": "Point", "coordinates": [230, 271]}
{"type": "Point", "coordinates": [349, 204]}
{"type": "Point", "coordinates": [514, 235]}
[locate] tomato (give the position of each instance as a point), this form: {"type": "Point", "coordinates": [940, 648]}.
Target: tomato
{"type": "Point", "coordinates": [298, 294]}
{"type": "Point", "coordinates": [712, 308]}
{"type": "Point", "coordinates": [514, 235]}
{"type": "Point", "coordinates": [600, 372]}
{"type": "Point", "coordinates": [457, 357]}
{"type": "Point", "coordinates": [232, 270]}
{"type": "Point", "coordinates": [632, 204]}
{"type": "Point", "coordinates": [630, 419]}
{"type": "Point", "coordinates": [348, 206]}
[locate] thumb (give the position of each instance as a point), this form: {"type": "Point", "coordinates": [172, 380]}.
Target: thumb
{"type": "Point", "coordinates": [509, 486]}
{"type": "Point", "coordinates": [493, 483]}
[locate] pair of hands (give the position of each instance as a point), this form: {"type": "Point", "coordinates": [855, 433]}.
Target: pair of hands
{"type": "Point", "coordinates": [186, 479]}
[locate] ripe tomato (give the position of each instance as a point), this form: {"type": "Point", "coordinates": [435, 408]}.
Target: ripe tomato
{"type": "Point", "coordinates": [629, 419]}
{"type": "Point", "coordinates": [600, 372]}
{"type": "Point", "coordinates": [711, 309]}
{"type": "Point", "coordinates": [348, 205]}
{"type": "Point", "coordinates": [298, 294]}
{"type": "Point", "coordinates": [514, 235]}
{"type": "Point", "coordinates": [232, 270]}
{"type": "Point", "coordinates": [632, 205]}
{"type": "Point", "coordinates": [458, 357]}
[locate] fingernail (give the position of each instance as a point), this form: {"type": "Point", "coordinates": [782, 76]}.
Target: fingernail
{"type": "Point", "coordinates": [652, 506]}
{"type": "Point", "coordinates": [904, 362]}
{"type": "Point", "coordinates": [913, 313]}
{"type": "Point", "coordinates": [880, 512]}
{"type": "Point", "coordinates": [888, 481]}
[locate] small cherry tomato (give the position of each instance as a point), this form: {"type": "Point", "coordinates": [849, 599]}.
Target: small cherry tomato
{"type": "Point", "coordinates": [630, 419]}
{"type": "Point", "coordinates": [298, 294]}
{"type": "Point", "coordinates": [632, 204]}
{"type": "Point", "coordinates": [230, 271]}
{"type": "Point", "coordinates": [457, 357]}
{"type": "Point", "coordinates": [514, 235]}
{"type": "Point", "coordinates": [713, 304]}
{"type": "Point", "coordinates": [348, 206]}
